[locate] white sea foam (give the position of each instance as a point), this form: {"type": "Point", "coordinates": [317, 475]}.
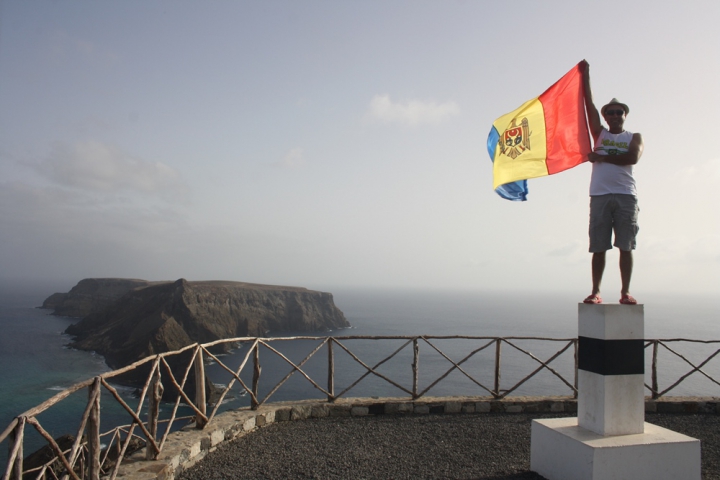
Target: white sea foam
{"type": "Point", "coordinates": [124, 389]}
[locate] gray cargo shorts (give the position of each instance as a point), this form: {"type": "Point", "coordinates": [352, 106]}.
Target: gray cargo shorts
{"type": "Point", "coordinates": [613, 212]}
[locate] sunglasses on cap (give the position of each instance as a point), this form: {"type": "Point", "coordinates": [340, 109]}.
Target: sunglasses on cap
{"type": "Point", "coordinates": [610, 113]}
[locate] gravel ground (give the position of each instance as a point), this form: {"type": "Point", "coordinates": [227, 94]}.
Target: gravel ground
{"type": "Point", "coordinates": [482, 446]}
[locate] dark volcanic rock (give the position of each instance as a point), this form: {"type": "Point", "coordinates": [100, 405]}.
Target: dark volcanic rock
{"type": "Point", "coordinates": [91, 295]}
{"type": "Point", "coordinates": [54, 301]}
{"type": "Point", "coordinates": [167, 316]}
{"type": "Point", "coordinates": [45, 454]}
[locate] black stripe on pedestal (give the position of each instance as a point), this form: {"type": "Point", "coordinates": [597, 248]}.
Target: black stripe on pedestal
{"type": "Point", "coordinates": [611, 357]}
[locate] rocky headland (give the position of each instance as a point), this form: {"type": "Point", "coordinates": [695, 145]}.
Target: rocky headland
{"type": "Point", "coordinates": [127, 320]}
{"type": "Point", "coordinates": [91, 295]}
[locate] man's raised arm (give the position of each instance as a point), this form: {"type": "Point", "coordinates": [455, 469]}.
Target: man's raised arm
{"type": "Point", "coordinates": [592, 112]}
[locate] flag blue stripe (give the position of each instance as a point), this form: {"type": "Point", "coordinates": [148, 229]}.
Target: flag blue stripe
{"type": "Point", "coordinates": [515, 191]}
{"type": "Point", "coordinates": [492, 142]}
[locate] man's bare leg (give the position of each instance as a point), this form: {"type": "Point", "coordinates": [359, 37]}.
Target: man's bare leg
{"type": "Point", "coordinates": [598, 267]}
{"type": "Point", "coordinates": [626, 268]}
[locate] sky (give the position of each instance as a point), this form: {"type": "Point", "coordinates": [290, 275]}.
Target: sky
{"type": "Point", "coordinates": [343, 143]}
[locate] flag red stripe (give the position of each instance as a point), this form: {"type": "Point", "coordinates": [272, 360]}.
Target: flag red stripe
{"type": "Point", "coordinates": [567, 137]}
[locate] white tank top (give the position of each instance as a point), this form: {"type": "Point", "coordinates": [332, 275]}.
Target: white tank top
{"type": "Point", "coordinates": [609, 178]}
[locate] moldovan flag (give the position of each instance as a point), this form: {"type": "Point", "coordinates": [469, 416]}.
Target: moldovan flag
{"type": "Point", "coordinates": [546, 135]}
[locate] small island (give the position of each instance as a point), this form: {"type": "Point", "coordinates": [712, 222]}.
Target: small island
{"type": "Point", "coordinates": [126, 320]}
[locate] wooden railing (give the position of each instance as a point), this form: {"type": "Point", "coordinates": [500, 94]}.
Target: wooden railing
{"type": "Point", "coordinates": [655, 391]}
{"type": "Point", "coordinates": [86, 458]}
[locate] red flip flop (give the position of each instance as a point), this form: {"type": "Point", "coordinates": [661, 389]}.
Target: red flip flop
{"type": "Point", "coordinates": [594, 298]}
{"type": "Point", "coordinates": [628, 300]}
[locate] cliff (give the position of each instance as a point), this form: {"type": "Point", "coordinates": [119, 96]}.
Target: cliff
{"type": "Point", "coordinates": [91, 295]}
{"type": "Point", "coordinates": [167, 316]}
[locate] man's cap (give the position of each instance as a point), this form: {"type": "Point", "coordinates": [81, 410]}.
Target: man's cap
{"type": "Point", "coordinates": [615, 101]}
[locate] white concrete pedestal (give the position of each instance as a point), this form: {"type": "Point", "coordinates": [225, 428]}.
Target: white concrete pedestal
{"type": "Point", "coordinates": [562, 450]}
{"type": "Point", "coordinates": [611, 367]}
{"type": "Point", "coordinates": [609, 440]}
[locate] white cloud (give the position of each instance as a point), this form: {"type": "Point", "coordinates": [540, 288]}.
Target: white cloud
{"type": "Point", "coordinates": [295, 158]}
{"type": "Point", "coordinates": [571, 249]}
{"type": "Point", "coordinates": [704, 250]}
{"type": "Point", "coordinates": [706, 173]}
{"type": "Point", "coordinates": [412, 113]}
{"type": "Point", "coordinates": [65, 45]}
{"type": "Point", "coordinates": [50, 230]}
{"type": "Point", "coordinates": [99, 167]}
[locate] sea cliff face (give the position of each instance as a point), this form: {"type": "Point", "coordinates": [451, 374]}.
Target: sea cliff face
{"type": "Point", "coordinates": [91, 295]}
{"type": "Point", "coordinates": [165, 316]}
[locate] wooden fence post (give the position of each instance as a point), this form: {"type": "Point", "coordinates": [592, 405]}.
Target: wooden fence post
{"type": "Point", "coordinates": [254, 404]}
{"type": "Point", "coordinates": [416, 367]}
{"type": "Point", "coordinates": [331, 371]}
{"type": "Point", "coordinates": [498, 342]}
{"type": "Point", "coordinates": [93, 431]}
{"type": "Point", "coordinates": [575, 384]}
{"type": "Point", "coordinates": [200, 400]}
{"type": "Point", "coordinates": [16, 444]}
{"type": "Point", "coordinates": [154, 397]}
{"type": "Point", "coordinates": [655, 393]}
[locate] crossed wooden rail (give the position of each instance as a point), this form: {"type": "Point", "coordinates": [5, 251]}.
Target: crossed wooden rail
{"type": "Point", "coordinates": [655, 391]}
{"type": "Point", "coordinates": [87, 459]}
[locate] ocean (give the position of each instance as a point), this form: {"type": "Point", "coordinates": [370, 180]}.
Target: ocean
{"type": "Point", "coordinates": [35, 363]}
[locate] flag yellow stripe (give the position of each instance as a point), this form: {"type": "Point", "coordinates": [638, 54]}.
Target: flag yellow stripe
{"type": "Point", "coordinates": [528, 159]}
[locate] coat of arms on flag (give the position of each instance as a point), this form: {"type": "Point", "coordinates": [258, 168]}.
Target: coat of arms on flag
{"type": "Point", "coordinates": [516, 139]}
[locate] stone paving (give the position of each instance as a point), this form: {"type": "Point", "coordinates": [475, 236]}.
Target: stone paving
{"type": "Point", "coordinates": [185, 448]}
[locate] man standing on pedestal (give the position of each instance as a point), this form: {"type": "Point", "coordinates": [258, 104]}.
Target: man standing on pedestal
{"type": "Point", "coordinates": [613, 195]}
